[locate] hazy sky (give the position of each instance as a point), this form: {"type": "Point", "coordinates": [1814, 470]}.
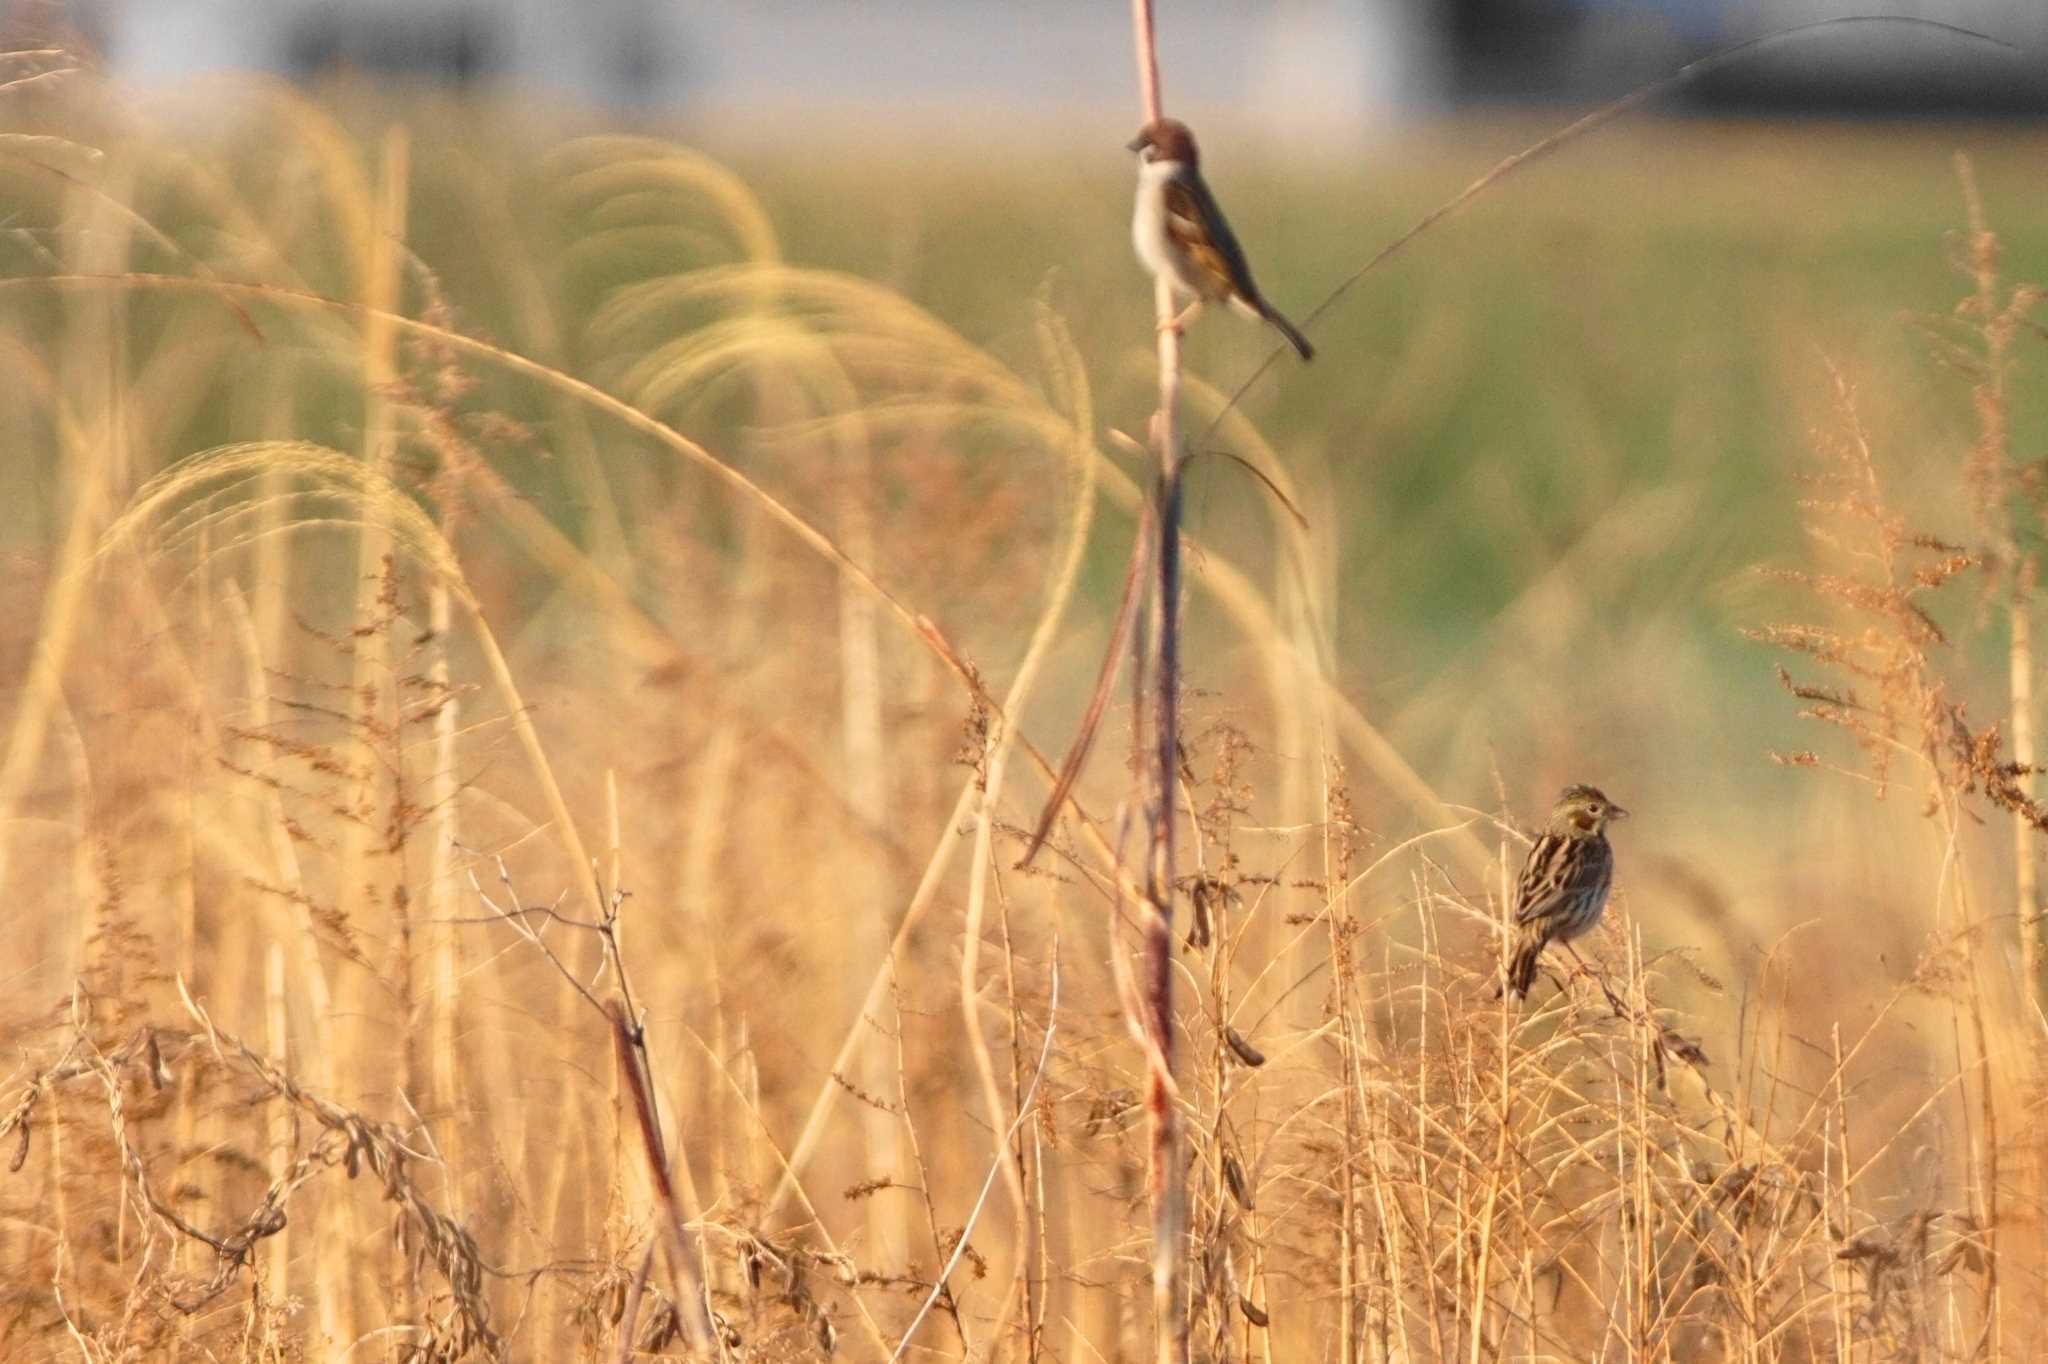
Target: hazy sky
{"type": "Point", "coordinates": [976, 67]}
{"type": "Point", "coordinates": [1287, 61]}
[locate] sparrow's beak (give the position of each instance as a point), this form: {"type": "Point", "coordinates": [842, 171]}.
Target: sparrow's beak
{"type": "Point", "coordinates": [1138, 143]}
{"type": "Point", "coordinates": [1616, 812]}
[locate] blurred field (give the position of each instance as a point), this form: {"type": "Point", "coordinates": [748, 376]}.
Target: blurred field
{"type": "Point", "coordinates": [418, 511]}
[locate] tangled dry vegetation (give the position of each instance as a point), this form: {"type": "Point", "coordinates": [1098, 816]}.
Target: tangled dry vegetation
{"type": "Point", "coordinates": [514, 769]}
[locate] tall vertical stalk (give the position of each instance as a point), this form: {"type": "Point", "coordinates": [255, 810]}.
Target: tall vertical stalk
{"type": "Point", "coordinates": [442, 891]}
{"type": "Point", "coordinates": [1168, 1181]}
{"type": "Point", "coordinates": [867, 788]}
{"type": "Point", "coordinates": [2026, 889]}
{"type": "Point", "coordinates": [379, 274]}
{"type": "Point", "coordinates": [1997, 322]}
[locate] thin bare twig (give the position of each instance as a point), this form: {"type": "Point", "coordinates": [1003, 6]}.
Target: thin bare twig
{"type": "Point", "coordinates": [1025, 1112]}
{"type": "Point", "coordinates": [629, 1040]}
{"type": "Point", "coordinates": [1571, 132]}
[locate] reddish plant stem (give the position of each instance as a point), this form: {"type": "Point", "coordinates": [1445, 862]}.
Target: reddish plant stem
{"type": "Point", "coordinates": [689, 1299]}
{"type": "Point", "coordinates": [1148, 59]}
{"type": "Point", "coordinates": [1167, 1182]}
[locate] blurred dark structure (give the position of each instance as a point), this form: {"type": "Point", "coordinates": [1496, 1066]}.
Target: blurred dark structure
{"type": "Point", "coordinates": [1584, 50]}
{"type": "Point", "coordinates": [1346, 62]}
{"type": "Point", "coordinates": [621, 52]}
{"type": "Point", "coordinates": [458, 44]}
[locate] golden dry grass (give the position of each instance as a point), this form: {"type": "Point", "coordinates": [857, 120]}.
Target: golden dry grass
{"type": "Point", "coordinates": [425, 636]}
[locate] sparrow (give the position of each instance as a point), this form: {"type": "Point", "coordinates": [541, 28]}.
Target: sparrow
{"type": "Point", "coordinates": [1563, 886]}
{"type": "Point", "coordinates": [1180, 234]}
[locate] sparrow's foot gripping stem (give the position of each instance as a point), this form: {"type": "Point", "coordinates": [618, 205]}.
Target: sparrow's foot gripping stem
{"type": "Point", "coordinates": [1178, 323]}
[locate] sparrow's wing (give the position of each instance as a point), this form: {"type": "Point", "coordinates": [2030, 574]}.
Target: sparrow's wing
{"type": "Point", "coordinates": [1194, 221]}
{"type": "Point", "coordinates": [1558, 869]}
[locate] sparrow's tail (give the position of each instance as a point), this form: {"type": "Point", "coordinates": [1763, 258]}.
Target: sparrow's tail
{"type": "Point", "coordinates": [1522, 968]}
{"type": "Point", "coordinates": [1288, 330]}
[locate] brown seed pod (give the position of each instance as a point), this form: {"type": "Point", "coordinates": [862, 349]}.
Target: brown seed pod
{"type": "Point", "coordinates": [1198, 926]}
{"type": "Point", "coordinates": [1233, 1175]}
{"type": "Point", "coordinates": [1243, 1050]}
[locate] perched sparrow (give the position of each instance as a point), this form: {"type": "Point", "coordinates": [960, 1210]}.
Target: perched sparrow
{"type": "Point", "coordinates": [1180, 233]}
{"type": "Point", "coordinates": [1564, 883]}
